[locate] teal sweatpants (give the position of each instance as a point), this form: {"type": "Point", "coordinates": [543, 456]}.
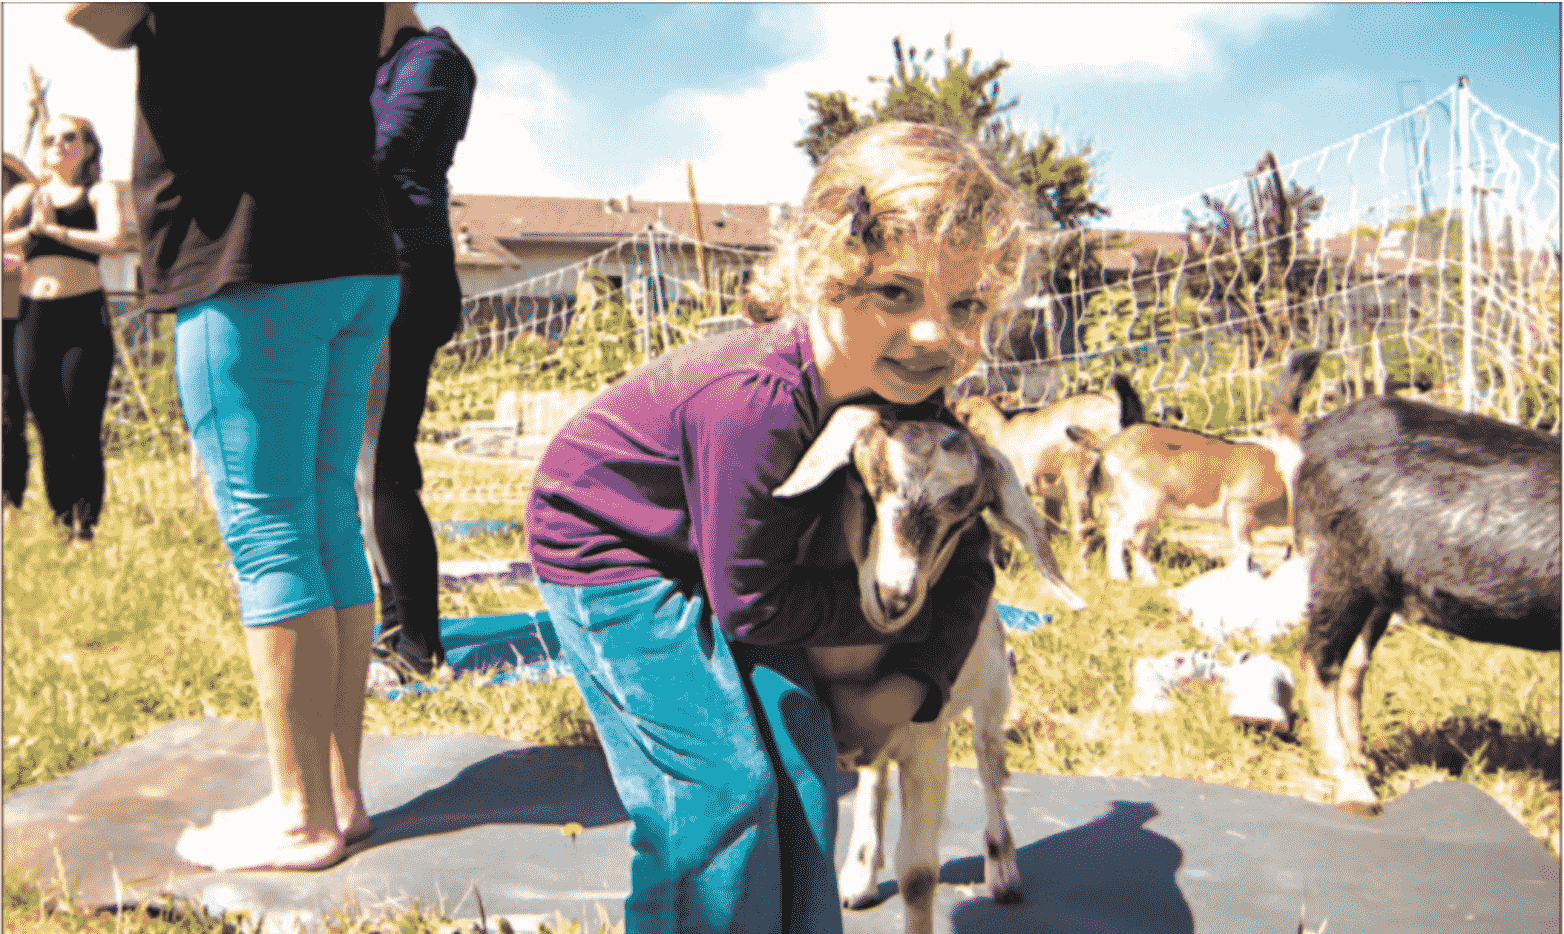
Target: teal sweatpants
{"type": "Point", "coordinates": [721, 754]}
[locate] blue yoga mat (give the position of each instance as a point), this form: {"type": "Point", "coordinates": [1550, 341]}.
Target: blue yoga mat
{"type": "Point", "coordinates": [523, 646]}
{"type": "Point", "coordinates": [458, 529]}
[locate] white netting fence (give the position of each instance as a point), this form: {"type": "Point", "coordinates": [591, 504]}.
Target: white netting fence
{"type": "Point", "coordinates": [1361, 249]}
{"type": "Point", "coordinates": [576, 329]}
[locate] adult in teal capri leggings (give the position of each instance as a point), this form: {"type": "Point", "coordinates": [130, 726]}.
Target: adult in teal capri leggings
{"type": "Point", "coordinates": [273, 379]}
{"type": "Point", "coordinates": [263, 226]}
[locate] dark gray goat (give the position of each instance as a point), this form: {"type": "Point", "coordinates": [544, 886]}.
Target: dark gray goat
{"type": "Point", "coordinates": [1404, 505]}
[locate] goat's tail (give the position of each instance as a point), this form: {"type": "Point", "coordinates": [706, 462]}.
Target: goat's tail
{"type": "Point", "coordinates": [1131, 411]}
{"type": "Point", "coordinates": [1288, 395]}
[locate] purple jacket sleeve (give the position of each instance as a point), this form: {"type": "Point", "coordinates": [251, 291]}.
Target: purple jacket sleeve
{"type": "Point", "coordinates": [743, 434]}
{"type": "Point", "coordinates": [429, 79]}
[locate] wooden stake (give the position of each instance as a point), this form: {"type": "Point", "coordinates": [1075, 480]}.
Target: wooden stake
{"type": "Point", "coordinates": [700, 237]}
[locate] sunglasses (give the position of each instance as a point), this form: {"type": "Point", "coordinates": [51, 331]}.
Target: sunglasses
{"type": "Point", "coordinates": [69, 136]}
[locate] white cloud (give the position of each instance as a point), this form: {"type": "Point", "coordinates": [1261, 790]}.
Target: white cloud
{"type": "Point", "coordinates": [518, 104]}
{"type": "Point", "coordinates": [746, 150]}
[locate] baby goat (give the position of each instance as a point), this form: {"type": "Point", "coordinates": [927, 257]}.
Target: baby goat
{"type": "Point", "coordinates": [1147, 472]}
{"type": "Point", "coordinates": [916, 488]}
{"type": "Point", "coordinates": [1407, 505]}
{"type": "Point", "coordinates": [1048, 464]}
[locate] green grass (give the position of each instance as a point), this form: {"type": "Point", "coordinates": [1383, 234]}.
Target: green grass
{"type": "Point", "coordinates": [103, 645]}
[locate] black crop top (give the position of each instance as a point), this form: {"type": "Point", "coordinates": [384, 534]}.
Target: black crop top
{"type": "Point", "coordinates": [78, 214]}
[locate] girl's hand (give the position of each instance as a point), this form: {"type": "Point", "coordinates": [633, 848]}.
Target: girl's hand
{"type": "Point", "coordinates": [43, 212]}
{"type": "Point", "coordinates": [863, 716]}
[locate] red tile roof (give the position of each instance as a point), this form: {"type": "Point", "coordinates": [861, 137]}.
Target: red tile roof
{"type": "Point", "coordinates": [499, 224]}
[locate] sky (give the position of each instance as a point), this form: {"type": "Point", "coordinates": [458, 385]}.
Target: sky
{"type": "Point", "coordinates": [598, 100]}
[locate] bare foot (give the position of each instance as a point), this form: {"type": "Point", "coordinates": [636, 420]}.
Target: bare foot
{"type": "Point", "coordinates": [265, 835]}
{"type": "Point", "coordinates": [353, 820]}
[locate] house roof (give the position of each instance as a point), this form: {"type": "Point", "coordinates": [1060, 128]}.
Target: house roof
{"type": "Point", "coordinates": [501, 225]}
{"type": "Point", "coordinates": [1139, 241]}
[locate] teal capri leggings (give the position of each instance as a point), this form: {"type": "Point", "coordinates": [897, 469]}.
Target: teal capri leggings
{"type": "Point", "coordinates": [274, 380]}
{"type": "Point", "coordinates": [721, 754]}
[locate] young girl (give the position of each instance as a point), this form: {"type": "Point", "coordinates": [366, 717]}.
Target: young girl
{"type": "Point", "coordinates": [64, 349]}
{"type": "Point", "coordinates": [670, 571]}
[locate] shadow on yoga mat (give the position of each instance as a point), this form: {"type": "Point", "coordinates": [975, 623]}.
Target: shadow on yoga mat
{"type": "Point", "coordinates": [456, 817]}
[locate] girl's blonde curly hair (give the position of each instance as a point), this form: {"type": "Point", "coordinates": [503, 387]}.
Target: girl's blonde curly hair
{"type": "Point", "coordinates": [887, 184]}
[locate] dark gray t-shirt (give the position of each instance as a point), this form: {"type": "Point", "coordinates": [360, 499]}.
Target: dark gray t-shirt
{"type": "Point", "coordinates": [254, 147]}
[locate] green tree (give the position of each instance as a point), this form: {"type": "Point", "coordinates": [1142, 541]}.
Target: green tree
{"type": "Point", "coordinates": [1250, 259]}
{"type": "Point", "coordinates": [967, 99]}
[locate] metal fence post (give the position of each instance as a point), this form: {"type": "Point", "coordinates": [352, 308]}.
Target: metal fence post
{"type": "Point", "coordinates": [1463, 120]}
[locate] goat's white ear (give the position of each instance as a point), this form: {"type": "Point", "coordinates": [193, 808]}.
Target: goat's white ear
{"type": "Point", "coordinates": [1015, 513]}
{"type": "Point", "coordinates": [832, 450]}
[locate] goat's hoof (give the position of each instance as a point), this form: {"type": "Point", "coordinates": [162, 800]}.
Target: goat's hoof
{"type": "Point", "coordinates": [1010, 895]}
{"type": "Point", "coordinates": [860, 902]}
{"type": "Point", "coordinates": [1360, 808]}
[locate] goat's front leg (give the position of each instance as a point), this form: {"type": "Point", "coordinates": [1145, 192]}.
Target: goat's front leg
{"type": "Point", "coordinates": [1000, 871]}
{"type": "Point", "coordinates": [1120, 529]}
{"type": "Point", "coordinates": [1321, 688]}
{"type": "Point", "coordinates": [1359, 798]}
{"type": "Point", "coordinates": [859, 883]}
{"type": "Point", "coordinates": [925, 781]}
{"type": "Point", "coordinates": [1240, 525]}
{"type": "Point", "coordinates": [1075, 477]}
{"type": "Point", "coordinates": [1145, 573]}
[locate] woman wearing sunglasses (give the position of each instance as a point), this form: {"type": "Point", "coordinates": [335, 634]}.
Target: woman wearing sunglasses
{"type": "Point", "coordinates": [64, 349]}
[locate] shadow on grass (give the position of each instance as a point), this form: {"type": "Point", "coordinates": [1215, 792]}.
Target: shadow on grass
{"type": "Point", "coordinates": [1174, 555]}
{"type": "Point", "coordinates": [1451, 744]}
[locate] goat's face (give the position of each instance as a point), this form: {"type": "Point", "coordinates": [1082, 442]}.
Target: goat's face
{"type": "Point", "coordinates": [923, 485]}
{"type": "Point", "coordinates": [916, 487]}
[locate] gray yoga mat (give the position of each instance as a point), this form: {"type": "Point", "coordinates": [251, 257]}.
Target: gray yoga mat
{"type": "Point", "coordinates": [462, 817]}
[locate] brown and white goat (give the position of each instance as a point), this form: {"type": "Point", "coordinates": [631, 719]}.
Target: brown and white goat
{"type": "Point", "coordinates": [1148, 472]}
{"type": "Point", "coordinates": [1034, 440]}
{"type": "Point", "coordinates": [1403, 505]}
{"type": "Point", "coordinates": [916, 487]}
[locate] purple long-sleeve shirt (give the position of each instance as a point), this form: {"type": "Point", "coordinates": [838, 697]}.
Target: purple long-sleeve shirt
{"type": "Point", "coordinates": [422, 100]}
{"type": "Point", "coordinates": [668, 473]}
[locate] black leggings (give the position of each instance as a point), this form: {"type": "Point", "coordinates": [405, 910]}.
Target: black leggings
{"type": "Point", "coordinates": [13, 444]}
{"type": "Point", "coordinates": [426, 316]}
{"type": "Point", "coordinates": [64, 355]}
